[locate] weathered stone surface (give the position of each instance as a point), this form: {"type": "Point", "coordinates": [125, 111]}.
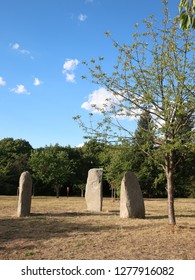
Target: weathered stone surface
{"type": "Point", "coordinates": [25, 192]}
{"type": "Point", "coordinates": [131, 198]}
{"type": "Point", "coordinates": [93, 194]}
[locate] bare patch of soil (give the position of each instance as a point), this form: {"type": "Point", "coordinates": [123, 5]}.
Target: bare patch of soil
{"type": "Point", "coordinates": [63, 229]}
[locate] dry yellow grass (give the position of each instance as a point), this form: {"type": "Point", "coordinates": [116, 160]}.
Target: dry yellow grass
{"type": "Point", "coordinates": [63, 229]}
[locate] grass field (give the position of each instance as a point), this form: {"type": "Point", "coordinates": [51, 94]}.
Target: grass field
{"type": "Point", "coordinates": [63, 229]}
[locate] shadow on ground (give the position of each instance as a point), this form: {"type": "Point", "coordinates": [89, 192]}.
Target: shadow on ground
{"type": "Point", "coordinates": [45, 226]}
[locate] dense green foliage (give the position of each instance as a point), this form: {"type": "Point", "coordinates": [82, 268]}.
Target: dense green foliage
{"type": "Point", "coordinates": [14, 155]}
{"type": "Point", "coordinates": [54, 168]}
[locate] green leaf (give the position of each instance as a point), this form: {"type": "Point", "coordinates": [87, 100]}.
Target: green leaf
{"type": "Point", "coordinates": [183, 20]}
{"type": "Point", "coordinates": [193, 22]}
{"type": "Point", "coordinates": [183, 4]}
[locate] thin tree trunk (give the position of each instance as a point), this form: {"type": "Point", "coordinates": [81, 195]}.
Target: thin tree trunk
{"type": "Point", "coordinates": [82, 193]}
{"type": "Point", "coordinates": [67, 191]}
{"type": "Point", "coordinates": [113, 194]}
{"type": "Point", "coordinates": [57, 188]}
{"type": "Point", "coordinates": [170, 191]}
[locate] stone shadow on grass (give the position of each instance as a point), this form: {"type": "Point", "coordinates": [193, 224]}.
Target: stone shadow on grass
{"type": "Point", "coordinates": [74, 214]}
{"type": "Point", "coordinates": [155, 217]}
{"type": "Point", "coordinates": [43, 227]}
{"type": "Point", "coordinates": [159, 217]}
{"type": "Point", "coordinates": [185, 216]}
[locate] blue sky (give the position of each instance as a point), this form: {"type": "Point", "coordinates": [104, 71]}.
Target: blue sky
{"type": "Point", "coordinates": [42, 46]}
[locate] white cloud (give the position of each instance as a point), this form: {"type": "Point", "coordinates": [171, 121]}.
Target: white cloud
{"type": "Point", "coordinates": [15, 46]}
{"type": "Point", "coordinates": [2, 81]}
{"type": "Point", "coordinates": [70, 77]}
{"type": "Point", "coordinates": [104, 100]}
{"type": "Point", "coordinates": [82, 17]}
{"type": "Point", "coordinates": [70, 64]}
{"type": "Point", "coordinates": [69, 67]}
{"type": "Point", "coordinates": [101, 98]}
{"type": "Point", "coordinates": [23, 51]}
{"type": "Point", "coordinates": [37, 82]}
{"type": "Point", "coordinates": [80, 145]}
{"type": "Point", "coordinates": [20, 89]}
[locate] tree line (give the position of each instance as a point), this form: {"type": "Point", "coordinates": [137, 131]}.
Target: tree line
{"type": "Point", "coordinates": [59, 170]}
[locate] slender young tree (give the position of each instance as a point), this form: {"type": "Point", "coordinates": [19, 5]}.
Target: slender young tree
{"type": "Point", "coordinates": [155, 74]}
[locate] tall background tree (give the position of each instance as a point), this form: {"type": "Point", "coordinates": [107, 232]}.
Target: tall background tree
{"type": "Point", "coordinates": [52, 166]}
{"type": "Point", "coordinates": [155, 74]}
{"type": "Point", "coordinates": [143, 163]}
{"type": "Point", "coordinates": [115, 161]}
{"type": "Point", "coordinates": [14, 156]}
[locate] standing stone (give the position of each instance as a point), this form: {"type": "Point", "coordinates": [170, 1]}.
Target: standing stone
{"type": "Point", "coordinates": [131, 198]}
{"type": "Point", "coordinates": [93, 194]}
{"type": "Point", "coordinates": [25, 192]}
